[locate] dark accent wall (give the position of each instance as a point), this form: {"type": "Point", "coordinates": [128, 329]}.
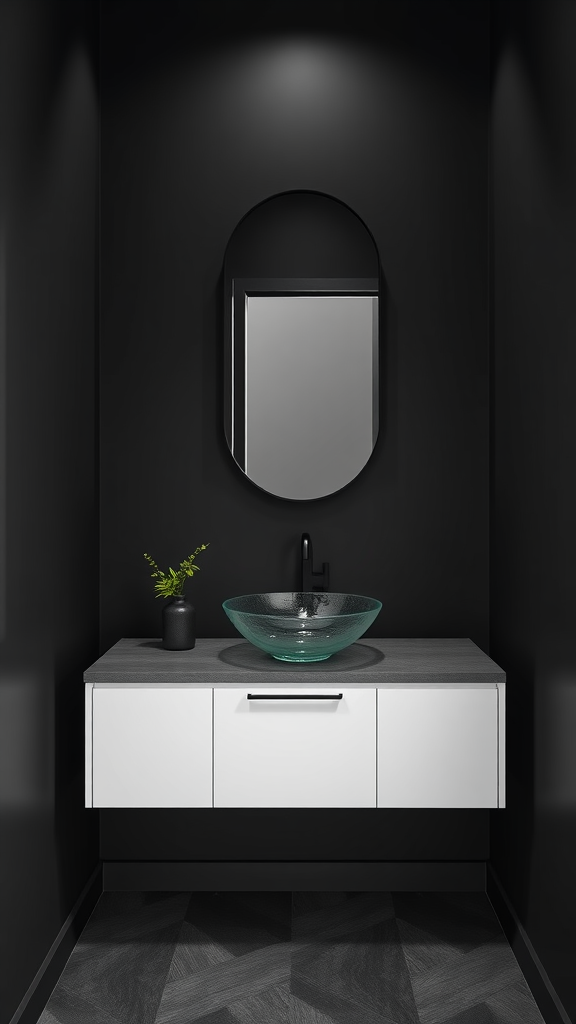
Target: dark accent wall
{"type": "Point", "coordinates": [207, 110]}
{"type": "Point", "coordinates": [48, 485]}
{"type": "Point", "coordinates": [533, 537]}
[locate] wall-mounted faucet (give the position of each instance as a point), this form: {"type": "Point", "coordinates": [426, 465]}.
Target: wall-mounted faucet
{"type": "Point", "coordinates": [312, 580]}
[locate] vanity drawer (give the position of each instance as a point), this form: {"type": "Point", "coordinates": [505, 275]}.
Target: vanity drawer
{"type": "Point", "coordinates": [295, 747]}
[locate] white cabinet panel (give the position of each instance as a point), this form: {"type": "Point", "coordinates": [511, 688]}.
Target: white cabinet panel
{"type": "Point", "coordinates": [151, 747]}
{"type": "Point", "coordinates": [295, 752]}
{"type": "Point", "coordinates": [438, 747]}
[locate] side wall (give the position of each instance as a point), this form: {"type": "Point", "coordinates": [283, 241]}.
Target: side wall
{"type": "Point", "coordinates": [533, 539]}
{"type": "Point", "coordinates": [208, 109]}
{"type": "Point", "coordinates": [48, 487]}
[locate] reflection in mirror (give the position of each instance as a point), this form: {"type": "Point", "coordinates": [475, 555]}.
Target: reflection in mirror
{"type": "Point", "coordinates": [305, 372]}
{"type": "Point", "coordinates": [301, 373]}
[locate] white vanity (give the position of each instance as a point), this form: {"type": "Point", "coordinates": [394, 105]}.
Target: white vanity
{"type": "Point", "coordinates": [384, 723]}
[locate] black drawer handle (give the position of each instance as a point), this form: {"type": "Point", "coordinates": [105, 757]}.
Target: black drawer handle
{"type": "Point", "coordinates": [294, 696]}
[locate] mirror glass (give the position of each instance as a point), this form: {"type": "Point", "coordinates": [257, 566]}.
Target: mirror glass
{"type": "Point", "coordinates": [301, 360]}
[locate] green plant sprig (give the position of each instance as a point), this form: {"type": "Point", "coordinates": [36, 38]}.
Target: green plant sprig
{"type": "Point", "coordinates": [171, 583]}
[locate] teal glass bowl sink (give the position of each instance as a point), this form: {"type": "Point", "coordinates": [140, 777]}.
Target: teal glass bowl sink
{"type": "Point", "coordinates": [302, 626]}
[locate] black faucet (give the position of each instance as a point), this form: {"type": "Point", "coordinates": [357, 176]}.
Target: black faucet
{"type": "Point", "coordinates": [312, 580]}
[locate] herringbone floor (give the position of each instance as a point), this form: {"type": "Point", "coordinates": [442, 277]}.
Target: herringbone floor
{"type": "Point", "coordinates": [300, 958]}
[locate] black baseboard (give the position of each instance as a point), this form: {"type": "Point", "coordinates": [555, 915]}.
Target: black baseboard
{"type": "Point", "coordinates": [51, 968]}
{"type": "Point", "coordinates": [277, 876]}
{"type": "Point", "coordinates": [530, 964]}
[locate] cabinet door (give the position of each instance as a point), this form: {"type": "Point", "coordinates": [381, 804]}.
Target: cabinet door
{"type": "Point", "coordinates": [437, 747]}
{"type": "Point", "coordinates": [151, 747]}
{"type": "Point", "coordinates": [295, 748]}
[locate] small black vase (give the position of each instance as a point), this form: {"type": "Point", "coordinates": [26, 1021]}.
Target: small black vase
{"type": "Point", "coordinates": [178, 625]}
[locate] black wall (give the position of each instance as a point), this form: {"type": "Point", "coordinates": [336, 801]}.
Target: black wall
{"type": "Point", "coordinates": [208, 109]}
{"type": "Point", "coordinates": [533, 540]}
{"type": "Point", "coordinates": [48, 506]}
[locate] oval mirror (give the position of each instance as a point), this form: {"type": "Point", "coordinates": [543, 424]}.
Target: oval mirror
{"type": "Point", "coordinates": [301, 276]}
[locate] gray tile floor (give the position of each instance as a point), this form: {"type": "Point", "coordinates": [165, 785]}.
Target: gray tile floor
{"type": "Point", "coordinates": [292, 958]}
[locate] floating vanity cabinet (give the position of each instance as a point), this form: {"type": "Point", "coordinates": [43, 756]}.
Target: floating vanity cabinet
{"type": "Point", "coordinates": [151, 746]}
{"type": "Point", "coordinates": [384, 723]}
{"type": "Point", "coordinates": [297, 747]}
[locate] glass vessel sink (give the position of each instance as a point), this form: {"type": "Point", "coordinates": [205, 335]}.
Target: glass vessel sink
{"type": "Point", "coordinates": [302, 626]}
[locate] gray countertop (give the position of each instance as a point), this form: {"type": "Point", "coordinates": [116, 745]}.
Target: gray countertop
{"type": "Point", "coordinates": [232, 661]}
